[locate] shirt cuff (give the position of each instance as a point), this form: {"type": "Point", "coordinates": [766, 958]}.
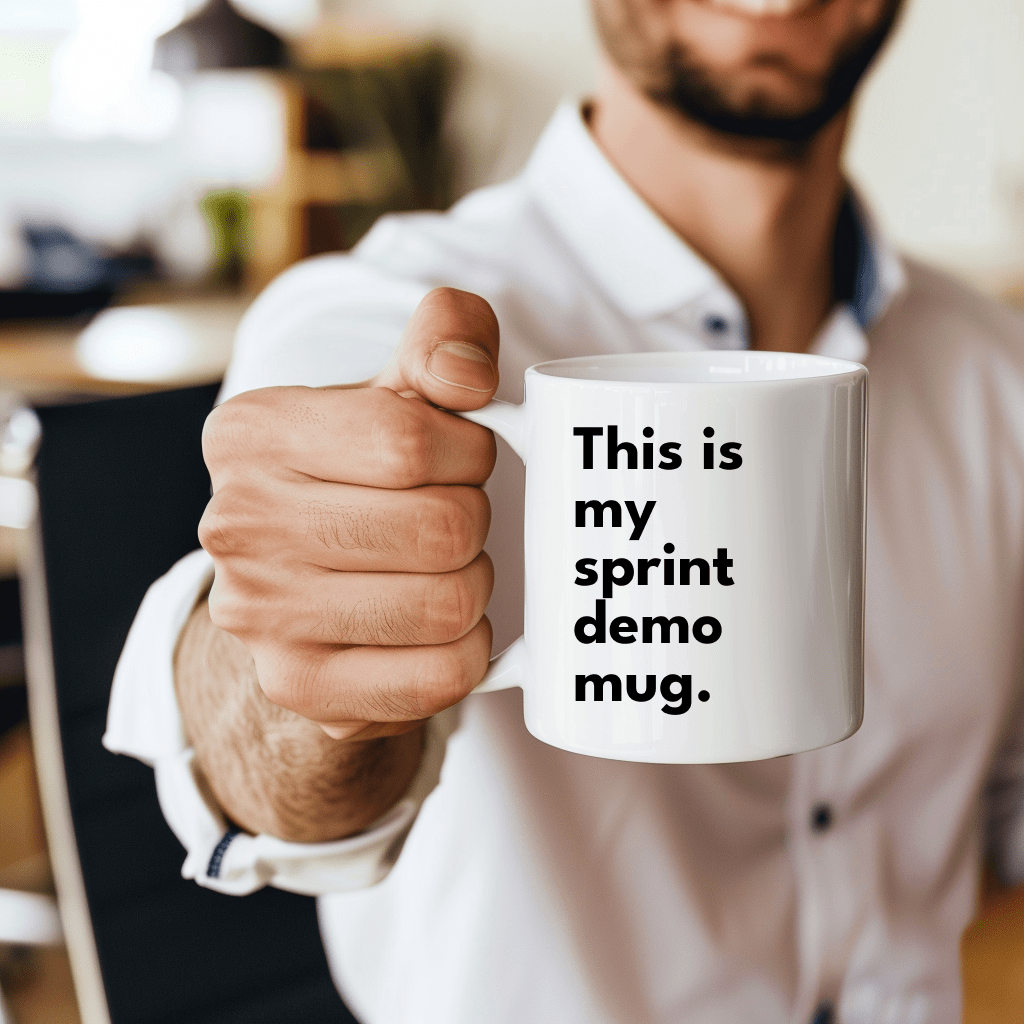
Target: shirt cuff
{"type": "Point", "coordinates": [144, 721]}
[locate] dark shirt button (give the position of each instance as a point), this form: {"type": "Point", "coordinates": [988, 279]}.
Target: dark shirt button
{"type": "Point", "coordinates": [823, 1014]}
{"type": "Point", "coordinates": [715, 324]}
{"type": "Point", "coordinates": [821, 820]}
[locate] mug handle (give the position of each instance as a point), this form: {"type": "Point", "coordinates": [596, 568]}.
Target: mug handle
{"type": "Point", "coordinates": [509, 422]}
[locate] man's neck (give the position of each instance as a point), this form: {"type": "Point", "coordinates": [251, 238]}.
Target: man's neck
{"type": "Point", "coordinates": [765, 219]}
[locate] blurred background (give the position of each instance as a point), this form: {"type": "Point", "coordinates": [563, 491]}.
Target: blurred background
{"type": "Point", "coordinates": [138, 147]}
{"type": "Point", "coordinates": [162, 160]}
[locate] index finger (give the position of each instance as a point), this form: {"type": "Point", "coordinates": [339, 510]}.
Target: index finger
{"type": "Point", "coordinates": [368, 436]}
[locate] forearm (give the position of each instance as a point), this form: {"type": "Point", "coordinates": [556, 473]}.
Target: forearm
{"type": "Point", "coordinates": [270, 769]}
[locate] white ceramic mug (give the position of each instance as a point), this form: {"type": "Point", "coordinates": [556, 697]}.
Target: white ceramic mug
{"type": "Point", "coordinates": [694, 542]}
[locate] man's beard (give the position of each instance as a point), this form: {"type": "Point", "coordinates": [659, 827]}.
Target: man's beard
{"type": "Point", "coordinates": [695, 92]}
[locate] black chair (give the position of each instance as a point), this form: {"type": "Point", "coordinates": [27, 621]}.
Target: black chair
{"type": "Point", "coordinates": [121, 486]}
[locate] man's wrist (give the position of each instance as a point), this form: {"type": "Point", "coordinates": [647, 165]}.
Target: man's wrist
{"type": "Point", "coordinates": [331, 789]}
{"type": "Point", "coordinates": [270, 770]}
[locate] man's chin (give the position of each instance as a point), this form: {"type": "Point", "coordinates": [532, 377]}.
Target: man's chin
{"type": "Point", "coordinates": [708, 97]}
{"type": "Point", "coordinates": [705, 99]}
{"type": "Point", "coordinates": [764, 125]}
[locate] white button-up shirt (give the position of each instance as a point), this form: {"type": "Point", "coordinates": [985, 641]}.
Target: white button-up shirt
{"type": "Point", "coordinates": [542, 886]}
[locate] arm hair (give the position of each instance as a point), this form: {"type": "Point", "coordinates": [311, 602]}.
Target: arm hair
{"type": "Point", "coordinates": [270, 769]}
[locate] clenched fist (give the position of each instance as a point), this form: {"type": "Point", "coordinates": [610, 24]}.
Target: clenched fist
{"type": "Point", "coordinates": [347, 528]}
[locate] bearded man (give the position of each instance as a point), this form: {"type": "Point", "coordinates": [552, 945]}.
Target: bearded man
{"type": "Point", "coordinates": [322, 739]}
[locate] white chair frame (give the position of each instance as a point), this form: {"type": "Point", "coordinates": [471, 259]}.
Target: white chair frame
{"type": "Point", "coordinates": [38, 919]}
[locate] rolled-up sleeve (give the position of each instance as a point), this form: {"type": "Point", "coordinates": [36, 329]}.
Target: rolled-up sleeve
{"type": "Point", "coordinates": [144, 721]}
{"type": "Point", "coordinates": [330, 320]}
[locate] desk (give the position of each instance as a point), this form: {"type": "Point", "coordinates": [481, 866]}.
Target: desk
{"type": "Point", "coordinates": [39, 361]}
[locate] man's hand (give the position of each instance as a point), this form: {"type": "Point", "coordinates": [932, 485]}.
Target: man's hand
{"type": "Point", "coordinates": [347, 528]}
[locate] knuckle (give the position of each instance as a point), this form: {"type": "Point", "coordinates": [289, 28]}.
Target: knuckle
{"type": "Point", "coordinates": [277, 686]}
{"type": "Point", "coordinates": [449, 606]}
{"type": "Point", "coordinates": [242, 518]}
{"type": "Point", "coordinates": [228, 609]}
{"type": "Point", "coordinates": [216, 533]}
{"type": "Point", "coordinates": [442, 678]}
{"type": "Point", "coordinates": [405, 445]}
{"type": "Point", "coordinates": [291, 680]}
{"type": "Point", "coordinates": [274, 685]}
{"type": "Point", "coordinates": [228, 526]}
{"type": "Point", "coordinates": [214, 429]}
{"type": "Point", "coordinates": [230, 431]}
{"type": "Point", "coordinates": [247, 602]}
{"type": "Point", "coordinates": [446, 535]}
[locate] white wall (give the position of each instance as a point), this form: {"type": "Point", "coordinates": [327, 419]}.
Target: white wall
{"type": "Point", "coordinates": [520, 58]}
{"type": "Point", "coordinates": [937, 145]}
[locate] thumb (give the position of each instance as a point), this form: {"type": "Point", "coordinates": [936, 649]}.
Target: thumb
{"type": "Point", "coordinates": [448, 353]}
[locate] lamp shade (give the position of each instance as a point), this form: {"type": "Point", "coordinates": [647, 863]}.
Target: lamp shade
{"type": "Point", "coordinates": [217, 37]}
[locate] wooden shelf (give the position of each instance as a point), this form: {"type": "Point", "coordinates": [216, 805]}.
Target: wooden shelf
{"type": "Point", "coordinates": [361, 136]}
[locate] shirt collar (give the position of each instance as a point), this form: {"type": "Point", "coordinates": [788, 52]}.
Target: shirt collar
{"type": "Point", "coordinates": [881, 275]}
{"type": "Point", "coordinates": [644, 266]}
{"type": "Point", "coordinates": [637, 259]}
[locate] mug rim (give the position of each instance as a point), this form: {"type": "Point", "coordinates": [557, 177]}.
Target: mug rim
{"type": "Point", "coordinates": [831, 368]}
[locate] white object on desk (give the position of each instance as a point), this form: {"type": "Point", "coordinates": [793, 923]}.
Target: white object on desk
{"type": "Point", "coordinates": [29, 919]}
{"type": "Point", "coordinates": [170, 343]}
